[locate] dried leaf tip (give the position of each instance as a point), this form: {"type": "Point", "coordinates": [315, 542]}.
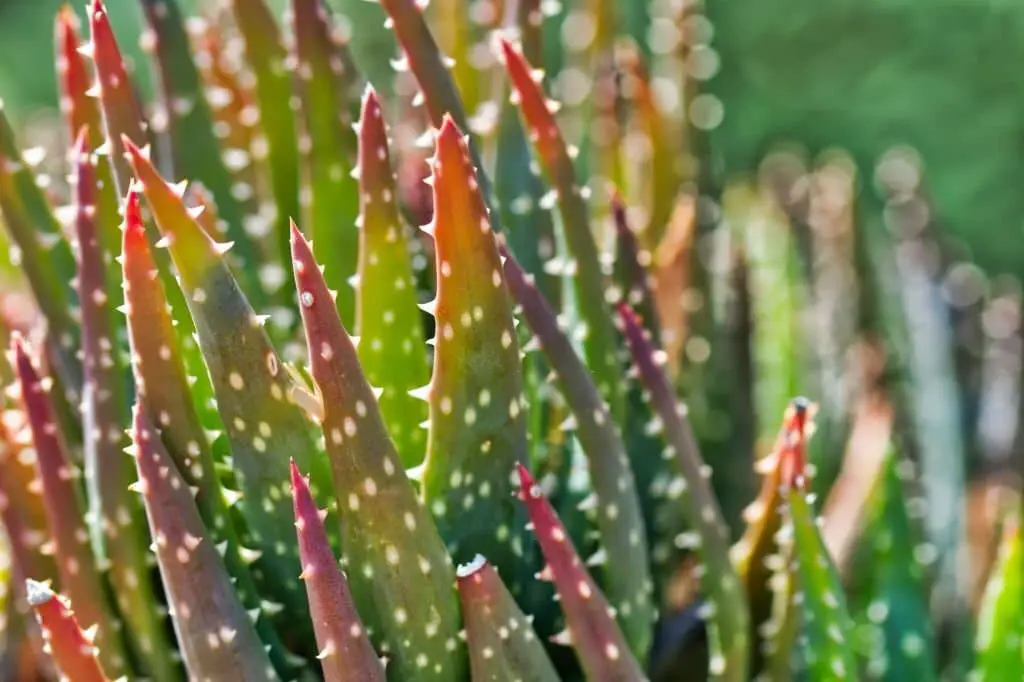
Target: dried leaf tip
{"type": "Point", "coordinates": [471, 568]}
{"type": "Point", "coordinates": [793, 454]}
{"type": "Point", "coordinates": [38, 593]}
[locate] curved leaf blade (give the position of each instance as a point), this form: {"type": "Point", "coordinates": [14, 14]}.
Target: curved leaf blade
{"type": "Point", "coordinates": [217, 638]}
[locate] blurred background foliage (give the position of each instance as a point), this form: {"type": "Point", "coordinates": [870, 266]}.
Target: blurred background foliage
{"type": "Point", "coordinates": [942, 78]}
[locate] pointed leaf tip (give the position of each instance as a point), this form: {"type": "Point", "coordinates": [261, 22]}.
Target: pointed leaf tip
{"type": "Point", "coordinates": [590, 625]}
{"type": "Point", "coordinates": [37, 593]}
{"type": "Point", "coordinates": [346, 654]}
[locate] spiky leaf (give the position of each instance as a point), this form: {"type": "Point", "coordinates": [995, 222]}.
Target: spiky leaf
{"type": "Point", "coordinates": [195, 149]}
{"type": "Point", "coordinates": [162, 387]}
{"type": "Point", "coordinates": [266, 55]}
{"type": "Point", "coordinates": [600, 342]}
{"type": "Point", "coordinates": [254, 393]}
{"type": "Point", "coordinates": [71, 649]}
{"type": "Point", "coordinates": [827, 628]}
{"type": "Point", "coordinates": [80, 578]}
{"type": "Point", "coordinates": [117, 535]}
{"type": "Point", "coordinates": [431, 69]}
{"type": "Point", "coordinates": [731, 621]}
{"type": "Point", "coordinates": [217, 637]}
{"type": "Point", "coordinates": [327, 84]}
{"type": "Point", "coordinates": [43, 253]}
{"type": "Point", "coordinates": [616, 505]}
{"type": "Point", "coordinates": [590, 626]}
{"type": "Point", "coordinates": [345, 651]}
{"type": "Point", "coordinates": [1000, 644]}
{"type": "Point", "coordinates": [122, 114]}
{"type": "Point", "coordinates": [401, 577]}
{"type": "Point", "coordinates": [386, 294]}
{"type": "Point", "coordinates": [502, 644]}
{"type": "Point", "coordinates": [477, 422]}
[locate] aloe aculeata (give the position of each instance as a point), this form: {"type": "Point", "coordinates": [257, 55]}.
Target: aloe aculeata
{"type": "Point", "coordinates": [261, 426]}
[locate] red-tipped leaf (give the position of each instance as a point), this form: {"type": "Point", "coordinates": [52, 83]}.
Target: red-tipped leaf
{"type": "Point", "coordinates": [71, 648]}
{"type": "Point", "coordinates": [403, 575]}
{"type": "Point", "coordinates": [345, 651]}
{"type": "Point", "coordinates": [590, 626]}
{"type": "Point", "coordinates": [80, 579]}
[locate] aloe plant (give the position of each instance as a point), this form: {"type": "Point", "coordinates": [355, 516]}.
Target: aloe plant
{"type": "Point", "coordinates": [261, 427]}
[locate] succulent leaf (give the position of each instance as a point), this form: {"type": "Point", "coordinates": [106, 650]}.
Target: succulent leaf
{"type": "Point", "coordinates": [1000, 642]}
{"type": "Point", "coordinates": [731, 619]}
{"type": "Point", "coordinates": [254, 393]}
{"type": "Point", "coordinates": [267, 57]}
{"type": "Point", "coordinates": [345, 651]}
{"type": "Point", "coordinates": [195, 150]}
{"type": "Point", "coordinates": [71, 648]}
{"type": "Point", "coordinates": [431, 70]}
{"type": "Point", "coordinates": [80, 578]}
{"type": "Point", "coordinates": [601, 342]}
{"type": "Point", "coordinates": [618, 516]}
{"type": "Point", "coordinates": [591, 627]}
{"type": "Point", "coordinates": [660, 177]}
{"type": "Point", "coordinates": [477, 413]}
{"type": "Point", "coordinates": [45, 255]}
{"type": "Point", "coordinates": [629, 274]}
{"type": "Point", "coordinates": [328, 87]}
{"type": "Point", "coordinates": [79, 109]}
{"type": "Point", "coordinates": [118, 538]}
{"type": "Point", "coordinates": [122, 114]}
{"type": "Point", "coordinates": [401, 578]}
{"type": "Point", "coordinates": [162, 386]}
{"type": "Point", "coordinates": [827, 628]}
{"type": "Point", "coordinates": [386, 296]}
{"type": "Point", "coordinates": [502, 644]}
{"type": "Point", "coordinates": [21, 505]}
{"type": "Point", "coordinates": [776, 343]}
{"type": "Point", "coordinates": [217, 638]}
{"type": "Point", "coordinates": [895, 591]}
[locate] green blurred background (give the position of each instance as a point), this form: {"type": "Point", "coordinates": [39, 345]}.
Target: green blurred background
{"type": "Point", "coordinates": [943, 77]}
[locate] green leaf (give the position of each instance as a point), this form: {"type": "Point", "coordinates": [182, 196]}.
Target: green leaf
{"type": "Point", "coordinates": [896, 612]}
{"type": "Point", "coordinates": [619, 520]}
{"type": "Point", "coordinates": [773, 285]}
{"type": "Point", "coordinates": [402, 579]}
{"type": "Point", "coordinates": [477, 430]}
{"type": "Point", "coordinates": [196, 151]}
{"type": "Point", "coordinates": [266, 55]}
{"type": "Point", "coordinates": [1000, 643]}
{"type": "Point", "coordinates": [162, 386]}
{"type": "Point", "coordinates": [431, 70]}
{"type": "Point", "coordinates": [502, 644]}
{"type": "Point", "coordinates": [729, 632]}
{"type": "Point", "coordinates": [328, 88]}
{"type": "Point", "coordinates": [386, 294]}
{"type": "Point", "coordinates": [600, 343]}
{"type": "Point", "coordinates": [254, 394]}
{"type": "Point", "coordinates": [827, 629]}
{"type": "Point", "coordinates": [44, 253]}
